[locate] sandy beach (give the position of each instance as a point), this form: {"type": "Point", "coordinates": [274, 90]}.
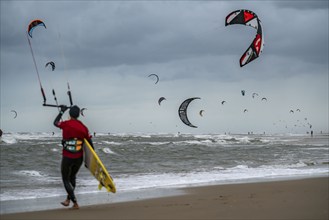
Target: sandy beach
{"type": "Point", "coordinates": [289, 199]}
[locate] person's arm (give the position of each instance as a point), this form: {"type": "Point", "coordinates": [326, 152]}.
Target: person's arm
{"type": "Point", "coordinates": [59, 116]}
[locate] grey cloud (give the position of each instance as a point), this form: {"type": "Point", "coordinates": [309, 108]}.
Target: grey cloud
{"type": "Point", "coordinates": [306, 41]}
{"type": "Point", "coordinates": [303, 5]}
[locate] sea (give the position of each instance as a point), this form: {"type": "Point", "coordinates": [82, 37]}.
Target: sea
{"type": "Point", "coordinates": [152, 165]}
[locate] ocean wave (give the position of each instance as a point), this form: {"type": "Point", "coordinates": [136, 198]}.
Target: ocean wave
{"type": "Point", "coordinates": [133, 135]}
{"type": "Point", "coordinates": [111, 143]}
{"type": "Point", "coordinates": [159, 143]}
{"type": "Point", "coordinates": [30, 136]}
{"type": "Point", "coordinates": [16, 194]}
{"type": "Point", "coordinates": [132, 182]}
{"type": "Point", "coordinates": [108, 150]}
{"type": "Point", "coordinates": [234, 174]}
{"type": "Point", "coordinates": [32, 173]}
{"type": "Point", "coordinates": [285, 166]}
{"type": "Point", "coordinates": [323, 147]}
{"type": "Point", "coordinates": [219, 141]}
{"type": "Point", "coordinates": [8, 140]}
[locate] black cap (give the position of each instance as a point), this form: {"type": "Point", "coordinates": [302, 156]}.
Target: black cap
{"type": "Point", "coordinates": [74, 111]}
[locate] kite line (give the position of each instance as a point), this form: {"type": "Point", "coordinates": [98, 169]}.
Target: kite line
{"type": "Point", "coordinates": [36, 68]}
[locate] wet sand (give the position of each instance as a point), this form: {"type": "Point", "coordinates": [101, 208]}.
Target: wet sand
{"type": "Point", "coordinates": [290, 199]}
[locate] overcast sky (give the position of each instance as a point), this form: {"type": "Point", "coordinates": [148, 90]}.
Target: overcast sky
{"type": "Point", "coordinates": [107, 49]}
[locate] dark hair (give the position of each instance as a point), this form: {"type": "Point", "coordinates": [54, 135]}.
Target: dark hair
{"type": "Point", "coordinates": [74, 111]}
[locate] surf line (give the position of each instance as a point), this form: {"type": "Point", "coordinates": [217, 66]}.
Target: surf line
{"type": "Point", "coordinates": [40, 84]}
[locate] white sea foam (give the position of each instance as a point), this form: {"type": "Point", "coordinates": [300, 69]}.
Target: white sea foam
{"type": "Point", "coordinates": [218, 175]}
{"type": "Point", "coordinates": [8, 139]}
{"type": "Point", "coordinates": [238, 173]}
{"type": "Point", "coordinates": [108, 150]}
{"type": "Point", "coordinates": [30, 173]}
{"type": "Point", "coordinates": [34, 135]}
{"type": "Point", "coordinates": [111, 143]}
{"type": "Point", "coordinates": [31, 194]}
{"type": "Point", "coordinates": [158, 143]}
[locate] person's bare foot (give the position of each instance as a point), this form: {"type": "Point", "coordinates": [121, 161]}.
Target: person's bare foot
{"type": "Point", "coordinates": [66, 202]}
{"type": "Point", "coordinates": [75, 206]}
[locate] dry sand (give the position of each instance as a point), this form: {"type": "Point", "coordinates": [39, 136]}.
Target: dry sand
{"type": "Point", "coordinates": [292, 199]}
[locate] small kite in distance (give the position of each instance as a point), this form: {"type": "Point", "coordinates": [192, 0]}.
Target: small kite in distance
{"type": "Point", "coordinates": [81, 111]}
{"type": "Point", "coordinates": [254, 94]}
{"type": "Point", "coordinates": [161, 99]}
{"type": "Point", "coordinates": [52, 65]}
{"type": "Point", "coordinates": [14, 113]}
{"type": "Point", "coordinates": [155, 75]}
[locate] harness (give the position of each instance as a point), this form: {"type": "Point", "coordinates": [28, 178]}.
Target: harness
{"type": "Point", "coordinates": [73, 145]}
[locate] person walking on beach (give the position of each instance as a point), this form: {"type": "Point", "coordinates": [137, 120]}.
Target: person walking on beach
{"type": "Point", "coordinates": [73, 132]}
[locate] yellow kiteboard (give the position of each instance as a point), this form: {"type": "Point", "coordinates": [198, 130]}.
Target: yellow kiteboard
{"type": "Point", "coordinates": [97, 169]}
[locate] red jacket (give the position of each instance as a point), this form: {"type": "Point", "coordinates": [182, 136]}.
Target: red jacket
{"type": "Point", "coordinates": [73, 129]}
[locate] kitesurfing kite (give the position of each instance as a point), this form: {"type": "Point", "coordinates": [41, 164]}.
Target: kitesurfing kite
{"type": "Point", "coordinates": [201, 113]}
{"type": "Point", "coordinates": [264, 99]}
{"type": "Point", "coordinates": [33, 24]}
{"type": "Point", "coordinates": [14, 113]}
{"type": "Point", "coordinates": [248, 18]}
{"type": "Point", "coordinates": [254, 94]}
{"type": "Point", "coordinates": [246, 110]}
{"type": "Point", "coordinates": [81, 111]}
{"type": "Point", "coordinates": [157, 77]}
{"type": "Point", "coordinates": [223, 102]}
{"type": "Point", "coordinates": [161, 99]}
{"type": "Point", "coordinates": [52, 65]}
{"type": "Point", "coordinates": [182, 112]}
{"type": "Point", "coordinates": [243, 92]}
